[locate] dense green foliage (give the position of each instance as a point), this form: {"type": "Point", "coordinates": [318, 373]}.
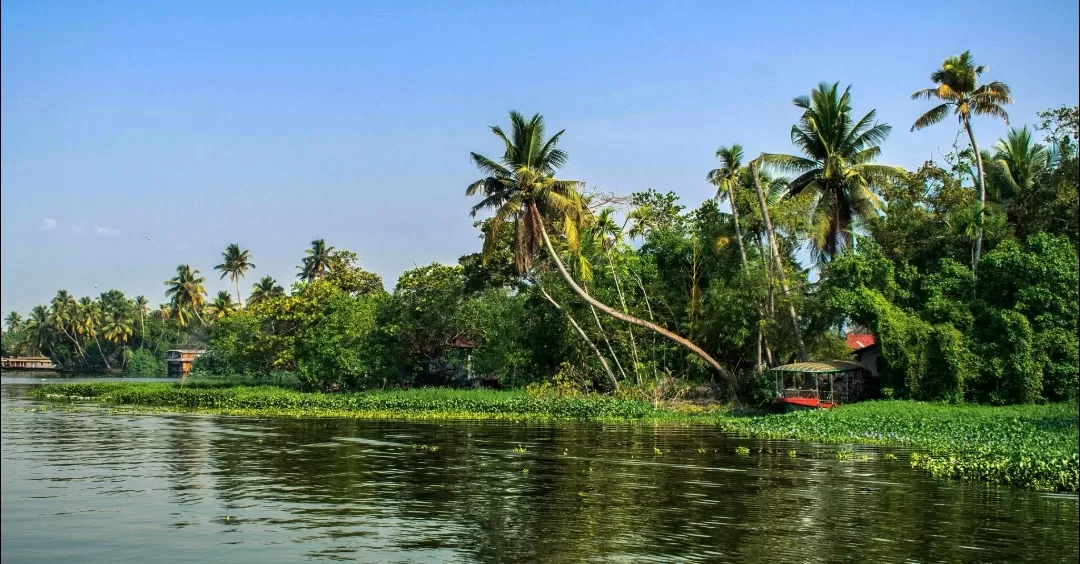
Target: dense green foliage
{"type": "Point", "coordinates": [1027, 446]}
{"type": "Point", "coordinates": [653, 297]}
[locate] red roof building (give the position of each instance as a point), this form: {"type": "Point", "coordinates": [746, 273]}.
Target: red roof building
{"type": "Point", "coordinates": [859, 341]}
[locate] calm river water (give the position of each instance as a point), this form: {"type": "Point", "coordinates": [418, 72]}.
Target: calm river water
{"type": "Point", "coordinates": [96, 486]}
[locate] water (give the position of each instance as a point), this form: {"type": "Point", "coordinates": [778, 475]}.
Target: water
{"type": "Point", "coordinates": [96, 486]}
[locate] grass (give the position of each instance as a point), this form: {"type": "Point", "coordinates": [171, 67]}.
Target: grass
{"type": "Point", "coordinates": [1033, 446]}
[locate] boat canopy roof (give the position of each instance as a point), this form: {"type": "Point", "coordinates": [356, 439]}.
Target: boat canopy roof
{"type": "Point", "coordinates": [820, 367]}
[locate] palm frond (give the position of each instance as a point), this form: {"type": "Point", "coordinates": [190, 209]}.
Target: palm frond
{"type": "Point", "coordinates": [931, 117]}
{"type": "Point", "coordinates": [786, 163]}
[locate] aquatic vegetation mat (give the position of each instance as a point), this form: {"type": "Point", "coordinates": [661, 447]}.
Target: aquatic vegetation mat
{"type": "Point", "coordinates": [1033, 446]}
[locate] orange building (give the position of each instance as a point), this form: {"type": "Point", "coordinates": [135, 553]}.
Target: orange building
{"type": "Point", "coordinates": [180, 361]}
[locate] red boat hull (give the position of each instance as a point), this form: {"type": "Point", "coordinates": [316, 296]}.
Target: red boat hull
{"type": "Point", "coordinates": [803, 403]}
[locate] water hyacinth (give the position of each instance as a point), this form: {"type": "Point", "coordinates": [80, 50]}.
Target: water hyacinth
{"type": "Point", "coordinates": [1031, 446]}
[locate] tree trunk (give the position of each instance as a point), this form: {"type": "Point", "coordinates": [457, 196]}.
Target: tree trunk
{"type": "Point", "coordinates": [622, 316]}
{"type": "Point", "coordinates": [610, 349]}
{"type": "Point", "coordinates": [78, 348]}
{"type": "Point", "coordinates": [746, 269]}
{"type": "Point", "coordinates": [622, 300]}
{"type": "Point", "coordinates": [738, 230]}
{"type": "Point", "coordinates": [102, 353]}
{"type": "Point", "coordinates": [648, 307]}
{"type": "Point", "coordinates": [585, 337]}
{"type": "Point", "coordinates": [982, 196]}
{"type": "Point", "coordinates": [776, 259]}
{"type": "Point", "coordinates": [239, 302]}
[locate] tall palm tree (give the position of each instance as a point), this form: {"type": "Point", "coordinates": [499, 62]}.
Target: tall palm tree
{"type": "Point", "coordinates": [959, 91]}
{"type": "Point", "coordinates": [266, 288]}
{"type": "Point", "coordinates": [837, 164]}
{"type": "Point", "coordinates": [142, 307]}
{"type": "Point", "coordinates": [1015, 166]}
{"type": "Point", "coordinates": [317, 261]}
{"type": "Point", "coordinates": [187, 292]}
{"type": "Point", "coordinates": [726, 179]}
{"type": "Point", "coordinates": [221, 306]}
{"type": "Point", "coordinates": [523, 191]}
{"type": "Point", "coordinates": [778, 264]}
{"type": "Point", "coordinates": [13, 321]}
{"type": "Point", "coordinates": [63, 311]}
{"type": "Point", "coordinates": [89, 321]}
{"type": "Point", "coordinates": [235, 263]}
{"type": "Point", "coordinates": [37, 329]}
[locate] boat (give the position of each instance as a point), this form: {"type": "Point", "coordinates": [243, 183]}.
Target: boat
{"type": "Point", "coordinates": [817, 385]}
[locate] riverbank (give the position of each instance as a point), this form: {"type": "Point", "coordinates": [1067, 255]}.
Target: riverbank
{"type": "Point", "coordinates": [1032, 446]}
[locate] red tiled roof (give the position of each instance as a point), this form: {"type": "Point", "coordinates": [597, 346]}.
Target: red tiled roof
{"type": "Point", "coordinates": [859, 341]}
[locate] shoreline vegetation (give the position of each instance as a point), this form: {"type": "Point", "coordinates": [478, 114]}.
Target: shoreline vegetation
{"type": "Point", "coordinates": [962, 271]}
{"type": "Point", "coordinates": [1028, 446]}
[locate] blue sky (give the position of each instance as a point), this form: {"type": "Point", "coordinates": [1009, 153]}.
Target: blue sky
{"type": "Point", "coordinates": [274, 123]}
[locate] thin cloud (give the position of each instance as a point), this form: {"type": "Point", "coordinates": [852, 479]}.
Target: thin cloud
{"type": "Point", "coordinates": [102, 230]}
{"type": "Point", "coordinates": [48, 223]}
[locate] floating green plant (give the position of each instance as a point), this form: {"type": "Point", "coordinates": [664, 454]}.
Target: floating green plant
{"type": "Point", "coordinates": [1032, 446]}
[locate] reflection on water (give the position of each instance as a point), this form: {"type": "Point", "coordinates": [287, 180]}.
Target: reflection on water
{"type": "Point", "coordinates": [95, 486]}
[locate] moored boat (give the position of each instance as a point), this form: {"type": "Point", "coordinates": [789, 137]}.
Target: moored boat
{"type": "Point", "coordinates": [817, 385]}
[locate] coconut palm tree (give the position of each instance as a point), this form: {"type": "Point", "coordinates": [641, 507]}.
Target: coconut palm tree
{"type": "Point", "coordinates": [187, 292]}
{"type": "Point", "coordinates": [62, 318]}
{"type": "Point", "coordinates": [317, 261]}
{"type": "Point", "coordinates": [117, 329]}
{"type": "Point", "coordinates": [1015, 166]}
{"type": "Point", "coordinates": [837, 164]}
{"type": "Point", "coordinates": [89, 322]}
{"type": "Point", "coordinates": [221, 306]}
{"type": "Point", "coordinates": [142, 307]}
{"type": "Point", "coordinates": [960, 93]}
{"type": "Point", "coordinates": [726, 179]}
{"type": "Point", "coordinates": [13, 321]}
{"type": "Point", "coordinates": [778, 264]}
{"type": "Point", "coordinates": [523, 191]}
{"type": "Point", "coordinates": [265, 289]}
{"type": "Point", "coordinates": [235, 263]}
{"type": "Point", "coordinates": [38, 332]}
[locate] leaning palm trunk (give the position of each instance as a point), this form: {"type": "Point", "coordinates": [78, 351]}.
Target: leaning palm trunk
{"type": "Point", "coordinates": [776, 259]}
{"type": "Point", "coordinates": [584, 336]}
{"type": "Point", "coordinates": [102, 353]}
{"type": "Point", "coordinates": [648, 307]}
{"type": "Point", "coordinates": [982, 196]}
{"type": "Point", "coordinates": [619, 315]}
{"type": "Point", "coordinates": [607, 341]}
{"type": "Point", "coordinates": [622, 300]}
{"type": "Point", "coordinates": [78, 348]}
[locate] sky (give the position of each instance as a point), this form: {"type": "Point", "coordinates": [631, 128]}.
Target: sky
{"type": "Point", "coordinates": [137, 136]}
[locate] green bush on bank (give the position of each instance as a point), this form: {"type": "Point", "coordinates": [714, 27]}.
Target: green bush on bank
{"type": "Point", "coordinates": [1033, 446]}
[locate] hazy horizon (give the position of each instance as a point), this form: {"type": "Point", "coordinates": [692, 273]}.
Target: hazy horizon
{"type": "Point", "coordinates": [135, 138]}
